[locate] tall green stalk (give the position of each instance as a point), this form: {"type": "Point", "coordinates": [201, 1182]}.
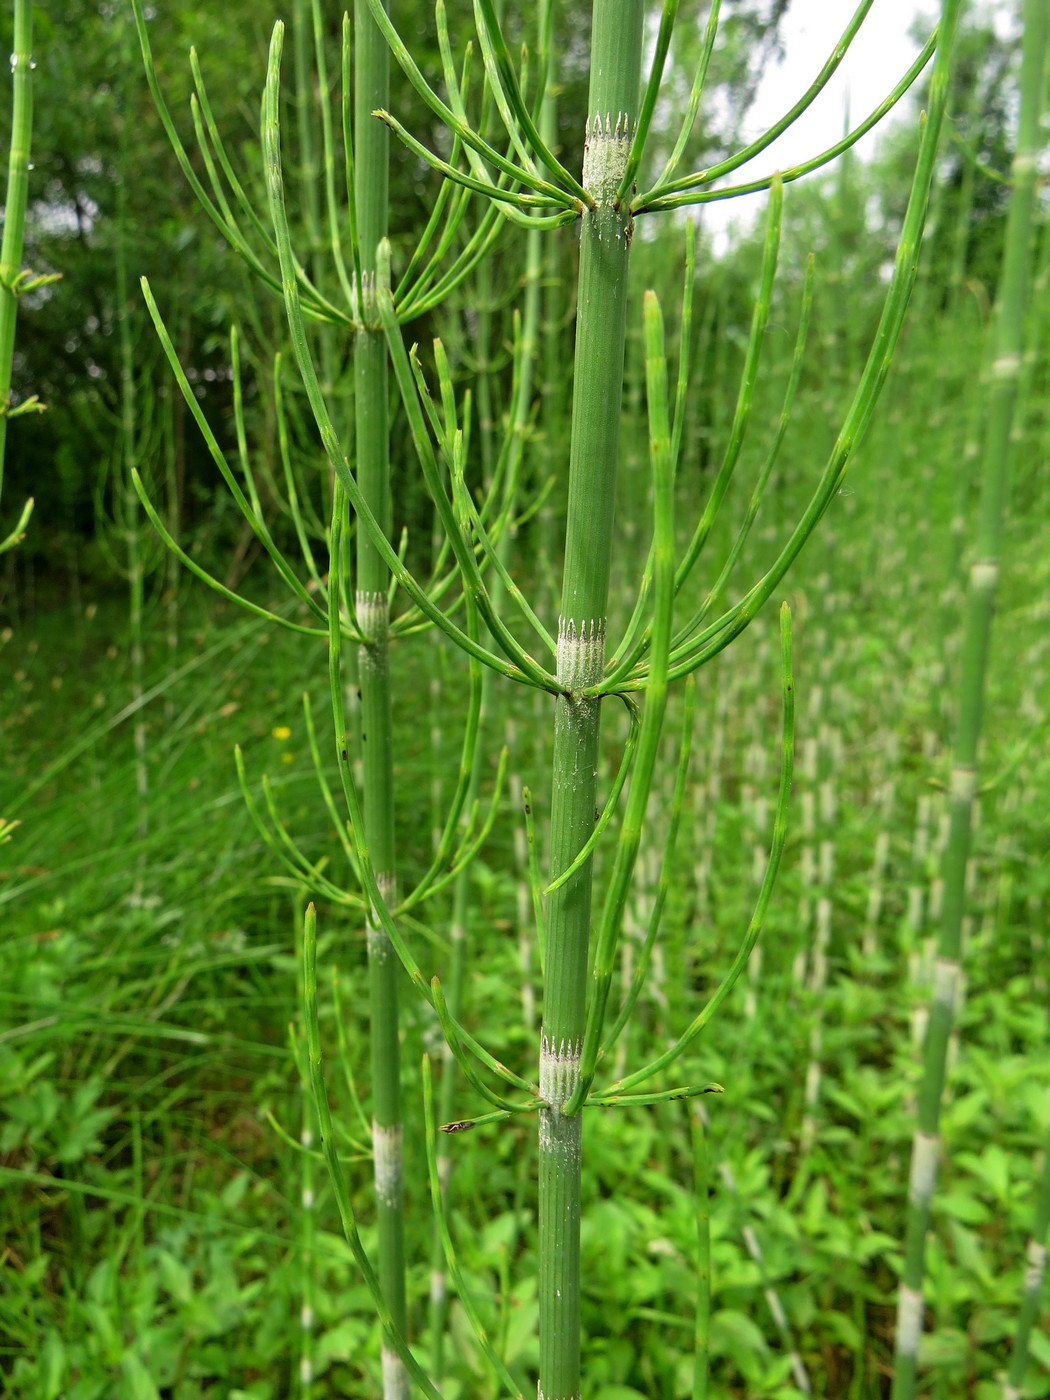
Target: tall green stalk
{"type": "Point", "coordinates": [12, 284]}
{"type": "Point", "coordinates": [605, 241]}
{"type": "Point", "coordinates": [371, 181]}
{"type": "Point", "coordinates": [1004, 371]}
{"type": "Point", "coordinates": [129, 461]}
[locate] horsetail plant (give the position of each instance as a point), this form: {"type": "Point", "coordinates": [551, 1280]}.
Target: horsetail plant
{"type": "Point", "coordinates": [516, 431]}
{"type": "Point", "coordinates": [473, 597]}
{"type": "Point", "coordinates": [569, 1048]}
{"type": "Point", "coordinates": [364, 619]}
{"type": "Point", "coordinates": [15, 281]}
{"type": "Point", "coordinates": [372, 609]}
{"type": "Point", "coordinates": [1004, 368]}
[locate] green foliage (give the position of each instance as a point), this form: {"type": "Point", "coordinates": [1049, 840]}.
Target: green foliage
{"type": "Point", "coordinates": [149, 1105]}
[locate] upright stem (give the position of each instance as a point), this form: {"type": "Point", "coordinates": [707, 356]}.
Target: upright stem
{"type": "Point", "coordinates": [15, 203]}
{"type": "Point", "coordinates": [1005, 366]}
{"type": "Point", "coordinates": [125, 491]}
{"type": "Point", "coordinates": [307, 1201]}
{"type": "Point", "coordinates": [371, 64]}
{"type": "Point", "coordinates": [616, 42]}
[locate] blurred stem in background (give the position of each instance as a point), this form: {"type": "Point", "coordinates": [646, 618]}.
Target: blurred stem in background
{"type": "Point", "coordinates": [1006, 343]}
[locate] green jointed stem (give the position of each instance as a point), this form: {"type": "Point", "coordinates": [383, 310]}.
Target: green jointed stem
{"type": "Point", "coordinates": [1005, 365]}
{"type": "Point", "coordinates": [371, 181]}
{"type": "Point", "coordinates": [598, 378]}
{"type": "Point", "coordinates": [15, 212]}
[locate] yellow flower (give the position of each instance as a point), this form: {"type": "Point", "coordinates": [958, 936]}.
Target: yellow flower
{"type": "Point", "coordinates": [282, 732]}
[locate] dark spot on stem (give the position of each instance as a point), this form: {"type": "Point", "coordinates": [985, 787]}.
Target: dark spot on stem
{"type": "Point", "coordinates": [343, 753]}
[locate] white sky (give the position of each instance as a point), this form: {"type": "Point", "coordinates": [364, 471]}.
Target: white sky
{"type": "Point", "coordinates": [878, 57]}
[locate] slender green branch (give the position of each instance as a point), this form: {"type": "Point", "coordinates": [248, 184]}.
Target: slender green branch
{"type": "Point", "coordinates": [647, 204]}
{"type": "Point", "coordinates": [438, 1205]}
{"type": "Point", "coordinates": [783, 422]}
{"type": "Point", "coordinates": [746, 391]}
{"type": "Point", "coordinates": [663, 887]}
{"type": "Point", "coordinates": [652, 93]}
{"type": "Point", "coordinates": [492, 41]}
{"type": "Point", "coordinates": [757, 920]}
{"type": "Point", "coordinates": [363, 512]}
{"type": "Point", "coordinates": [754, 148]}
{"type": "Point", "coordinates": [456, 123]}
{"type": "Point", "coordinates": [202, 573]}
{"type": "Point", "coordinates": [655, 698]}
{"type": "Point", "coordinates": [722, 632]}
{"type": "Point", "coordinates": [613, 801]}
{"type": "Point", "coordinates": [695, 95]}
{"type": "Point", "coordinates": [614, 1099]}
{"type": "Point", "coordinates": [249, 509]}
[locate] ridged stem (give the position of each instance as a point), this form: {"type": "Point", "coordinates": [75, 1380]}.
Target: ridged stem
{"type": "Point", "coordinates": [1005, 365]}
{"type": "Point", "coordinates": [371, 182]}
{"type": "Point", "coordinates": [15, 203]}
{"type": "Point", "coordinates": [616, 41]}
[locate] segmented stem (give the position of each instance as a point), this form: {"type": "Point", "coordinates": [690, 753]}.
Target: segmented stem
{"type": "Point", "coordinates": [598, 378]}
